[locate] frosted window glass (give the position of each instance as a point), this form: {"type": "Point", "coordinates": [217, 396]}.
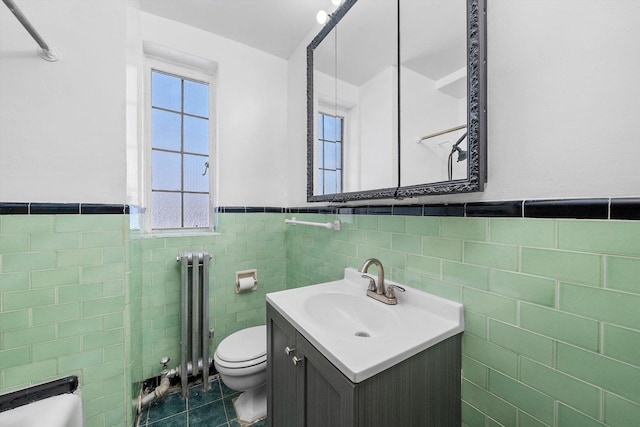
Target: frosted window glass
{"type": "Point", "coordinates": [165, 91]}
{"type": "Point", "coordinates": [196, 98]}
{"type": "Point", "coordinates": [196, 210]}
{"type": "Point", "coordinates": [165, 171]}
{"type": "Point", "coordinates": [196, 135]}
{"type": "Point", "coordinates": [167, 208]}
{"type": "Point", "coordinates": [194, 166]}
{"type": "Point", "coordinates": [165, 130]}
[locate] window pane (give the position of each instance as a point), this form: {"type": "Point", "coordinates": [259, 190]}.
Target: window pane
{"type": "Point", "coordinates": [194, 166]}
{"type": "Point", "coordinates": [165, 171]}
{"type": "Point", "coordinates": [165, 130]}
{"type": "Point", "coordinates": [330, 182]}
{"type": "Point", "coordinates": [196, 210]}
{"type": "Point", "coordinates": [320, 182]}
{"type": "Point", "coordinates": [330, 155]}
{"type": "Point", "coordinates": [329, 128]}
{"type": "Point", "coordinates": [196, 135]}
{"type": "Point", "coordinates": [338, 128]}
{"type": "Point", "coordinates": [167, 208]}
{"type": "Point", "coordinates": [165, 91]}
{"type": "Point", "coordinates": [180, 149]}
{"type": "Point", "coordinates": [338, 155]}
{"type": "Point", "coordinates": [339, 181]}
{"type": "Point", "coordinates": [196, 98]}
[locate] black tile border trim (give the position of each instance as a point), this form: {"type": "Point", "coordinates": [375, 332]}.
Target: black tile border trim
{"type": "Point", "coordinates": [36, 208]}
{"type": "Point", "coordinates": [38, 392]}
{"type": "Point", "coordinates": [625, 209]}
{"type": "Point", "coordinates": [596, 208]}
{"type": "Point", "coordinates": [54, 208]}
{"type": "Point", "coordinates": [14, 208]}
{"type": "Point", "coordinates": [582, 209]}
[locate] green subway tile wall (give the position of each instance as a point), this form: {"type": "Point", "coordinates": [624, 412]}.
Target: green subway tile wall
{"type": "Point", "coordinates": [552, 326]}
{"type": "Point", "coordinates": [551, 306]}
{"type": "Point", "coordinates": [65, 289]}
{"type": "Point", "coordinates": [246, 241]}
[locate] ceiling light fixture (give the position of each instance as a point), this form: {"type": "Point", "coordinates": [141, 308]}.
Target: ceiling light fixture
{"type": "Point", "coordinates": [322, 17]}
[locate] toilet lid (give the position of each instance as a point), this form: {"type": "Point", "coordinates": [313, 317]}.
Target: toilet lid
{"type": "Point", "coordinates": [246, 344]}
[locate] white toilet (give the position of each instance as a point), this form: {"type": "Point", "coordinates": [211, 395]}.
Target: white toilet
{"type": "Point", "coordinates": [241, 361]}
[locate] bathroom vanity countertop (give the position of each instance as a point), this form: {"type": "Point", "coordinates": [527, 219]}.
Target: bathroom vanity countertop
{"type": "Point", "coordinates": [362, 336]}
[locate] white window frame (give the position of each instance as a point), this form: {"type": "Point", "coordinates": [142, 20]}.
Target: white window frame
{"type": "Point", "coordinates": [180, 65]}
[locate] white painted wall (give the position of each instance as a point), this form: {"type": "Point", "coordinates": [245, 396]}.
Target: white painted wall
{"type": "Point", "coordinates": [564, 99]}
{"type": "Point", "coordinates": [251, 116]}
{"type": "Point", "coordinates": [62, 124]}
{"type": "Point", "coordinates": [427, 110]}
{"type": "Point", "coordinates": [563, 105]}
{"type": "Point", "coordinates": [296, 153]}
{"type": "Point", "coordinates": [378, 131]}
{"type": "Point", "coordinates": [64, 133]}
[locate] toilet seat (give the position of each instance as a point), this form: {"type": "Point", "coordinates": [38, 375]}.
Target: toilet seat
{"type": "Point", "coordinates": [239, 365]}
{"type": "Point", "coordinates": [241, 361]}
{"type": "Point", "coordinates": [243, 349]}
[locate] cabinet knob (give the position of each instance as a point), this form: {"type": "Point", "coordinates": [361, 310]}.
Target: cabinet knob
{"type": "Point", "coordinates": [288, 350]}
{"type": "Point", "coordinates": [297, 360]}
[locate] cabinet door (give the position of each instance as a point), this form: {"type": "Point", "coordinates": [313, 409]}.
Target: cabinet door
{"type": "Point", "coordinates": [326, 395]}
{"type": "Point", "coordinates": [281, 373]}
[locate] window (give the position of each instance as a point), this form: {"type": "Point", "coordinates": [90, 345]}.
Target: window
{"type": "Point", "coordinates": [329, 161]}
{"type": "Point", "coordinates": [180, 163]}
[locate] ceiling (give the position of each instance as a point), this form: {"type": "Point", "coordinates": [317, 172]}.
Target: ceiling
{"type": "Point", "coordinates": [433, 32]}
{"type": "Point", "coordinates": [274, 26]}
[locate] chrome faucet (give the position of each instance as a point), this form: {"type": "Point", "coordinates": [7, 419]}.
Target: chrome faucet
{"type": "Point", "coordinates": [379, 292]}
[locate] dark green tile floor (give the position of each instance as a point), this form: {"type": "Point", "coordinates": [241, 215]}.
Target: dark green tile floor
{"type": "Point", "coordinates": [212, 409]}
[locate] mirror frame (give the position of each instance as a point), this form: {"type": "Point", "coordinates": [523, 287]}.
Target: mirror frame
{"type": "Point", "coordinates": [476, 116]}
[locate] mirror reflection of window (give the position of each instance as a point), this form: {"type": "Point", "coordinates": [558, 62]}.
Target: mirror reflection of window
{"type": "Point", "coordinates": [329, 153]}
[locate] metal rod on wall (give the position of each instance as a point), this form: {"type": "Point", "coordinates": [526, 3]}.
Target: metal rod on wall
{"type": "Point", "coordinates": [47, 52]}
{"type": "Point", "coordinates": [443, 132]}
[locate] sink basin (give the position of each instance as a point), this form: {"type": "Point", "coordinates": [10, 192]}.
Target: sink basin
{"type": "Point", "coordinates": [351, 315]}
{"type": "Point", "coordinates": [362, 336]}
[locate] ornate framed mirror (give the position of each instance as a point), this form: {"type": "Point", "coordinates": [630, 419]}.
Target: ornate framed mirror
{"type": "Point", "coordinates": [396, 100]}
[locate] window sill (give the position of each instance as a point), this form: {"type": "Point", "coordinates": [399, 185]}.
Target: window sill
{"type": "Point", "coordinates": [179, 233]}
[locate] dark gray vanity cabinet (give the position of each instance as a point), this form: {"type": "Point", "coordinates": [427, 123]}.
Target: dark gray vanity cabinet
{"type": "Point", "coordinates": [310, 393]}
{"type": "Point", "coordinates": [421, 391]}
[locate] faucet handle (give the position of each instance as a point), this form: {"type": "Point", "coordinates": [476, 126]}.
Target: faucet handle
{"type": "Point", "coordinates": [390, 290]}
{"type": "Point", "coordinates": [372, 282]}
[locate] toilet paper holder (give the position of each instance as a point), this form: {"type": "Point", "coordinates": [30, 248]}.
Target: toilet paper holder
{"type": "Point", "coordinates": [246, 281]}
